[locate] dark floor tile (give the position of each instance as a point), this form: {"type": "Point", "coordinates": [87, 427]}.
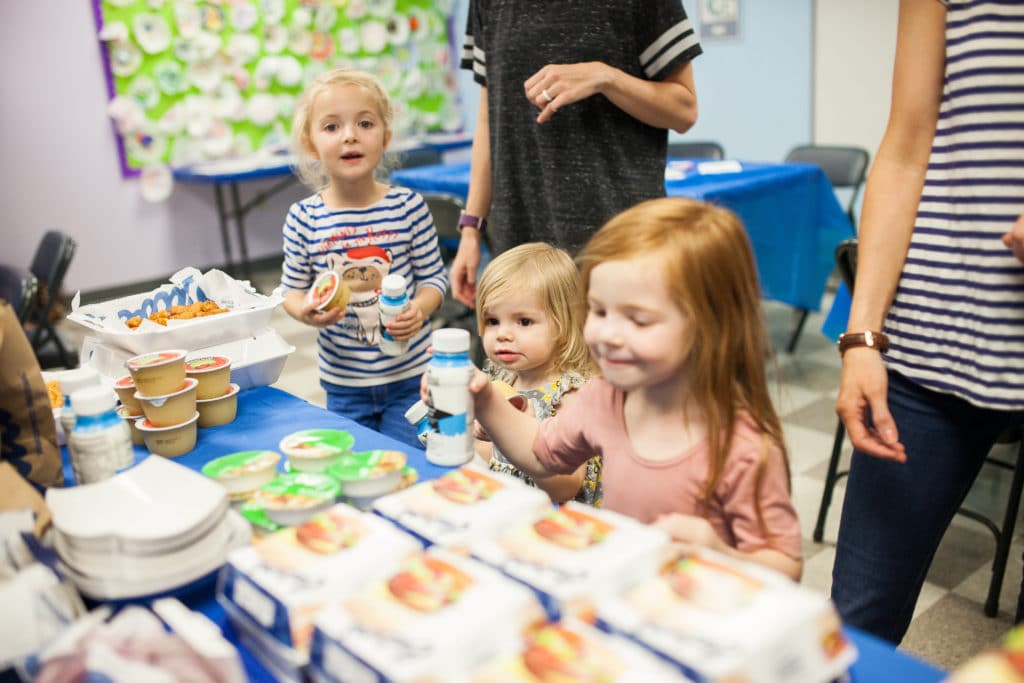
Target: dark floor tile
{"type": "Point", "coordinates": [953, 630]}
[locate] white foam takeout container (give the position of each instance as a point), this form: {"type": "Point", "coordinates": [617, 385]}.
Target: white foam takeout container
{"type": "Point", "coordinates": [248, 313]}
{"type": "Point", "coordinates": [256, 360]}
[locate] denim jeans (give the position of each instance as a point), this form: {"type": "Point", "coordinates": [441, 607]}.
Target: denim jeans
{"type": "Point", "coordinates": [381, 407]}
{"type": "Point", "coordinates": [894, 515]}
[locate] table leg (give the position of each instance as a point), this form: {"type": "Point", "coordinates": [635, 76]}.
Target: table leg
{"type": "Point", "coordinates": [222, 218]}
{"type": "Point", "coordinates": [240, 225]}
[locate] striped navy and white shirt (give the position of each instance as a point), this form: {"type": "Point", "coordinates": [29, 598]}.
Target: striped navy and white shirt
{"type": "Point", "coordinates": [560, 181]}
{"type": "Point", "coordinates": [957, 321]}
{"type": "Point", "coordinates": [395, 235]}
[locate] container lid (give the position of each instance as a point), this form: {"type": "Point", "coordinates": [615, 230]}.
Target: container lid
{"type": "Point", "coordinates": [393, 286]}
{"type": "Point", "coordinates": [317, 443]}
{"type": "Point", "coordinates": [417, 411]}
{"type": "Point", "coordinates": [195, 366]}
{"type": "Point", "coordinates": [79, 378]}
{"type": "Point", "coordinates": [450, 340]}
{"type": "Point", "coordinates": [125, 382]}
{"type": "Point", "coordinates": [93, 400]}
{"type": "Point", "coordinates": [149, 360]}
{"type": "Point", "coordinates": [323, 289]}
{"type": "Point", "coordinates": [298, 490]}
{"type": "Point", "coordinates": [143, 424]}
{"type": "Point", "coordinates": [366, 465]}
{"type": "Point", "coordinates": [235, 465]}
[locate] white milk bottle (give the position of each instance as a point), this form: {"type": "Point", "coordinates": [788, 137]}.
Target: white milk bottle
{"type": "Point", "coordinates": [450, 441]}
{"type": "Point", "coordinates": [101, 443]}
{"type": "Point", "coordinates": [70, 382]}
{"type": "Point", "coordinates": [393, 300]}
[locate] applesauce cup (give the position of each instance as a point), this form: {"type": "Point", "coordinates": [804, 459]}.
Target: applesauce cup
{"type": "Point", "coordinates": [170, 442]}
{"type": "Point", "coordinates": [220, 410]}
{"type": "Point", "coordinates": [125, 414]}
{"type": "Point", "coordinates": [170, 409]}
{"type": "Point", "coordinates": [329, 291]}
{"type": "Point", "coordinates": [125, 388]}
{"type": "Point", "coordinates": [213, 373]}
{"type": "Point", "coordinates": [158, 373]}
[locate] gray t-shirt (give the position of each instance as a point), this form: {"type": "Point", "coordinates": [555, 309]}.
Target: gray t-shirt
{"type": "Point", "coordinates": [559, 181]}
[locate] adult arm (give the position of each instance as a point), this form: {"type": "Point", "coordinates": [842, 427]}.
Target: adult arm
{"type": "Point", "coordinates": [478, 203]}
{"type": "Point", "coordinates": [511, 430]}
{"type": "Point", "coordinates": [668, 103]}
{"type": "Point", "coordinates": [890, 205]}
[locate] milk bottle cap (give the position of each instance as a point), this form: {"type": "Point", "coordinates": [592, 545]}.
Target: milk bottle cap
{"type": "Point", "coordinates": [393, 286]}
{"type": "Point", "coordinates": [93, 401]}
{"type": "Point", "coordinates": [450, 340]}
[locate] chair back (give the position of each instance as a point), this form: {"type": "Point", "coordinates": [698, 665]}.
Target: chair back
{"type": "Point", "coordinates": [418, 157]}
{"type": "Point", "coordinates": [846, 261]}
{"type": "Point", "coordinates": [845, 167]}
{"type": "Point", "coordinates": [51, 261]}
{"type": "Point", "coordinates": [445, 210]}
{"type": "Point", "coordinates": [705, 149]}
{"type": "Point", "coordinates": [18, 288]}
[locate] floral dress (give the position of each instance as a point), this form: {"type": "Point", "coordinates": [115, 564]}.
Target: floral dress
{"type": "Point", "coordinates": [545, 404]}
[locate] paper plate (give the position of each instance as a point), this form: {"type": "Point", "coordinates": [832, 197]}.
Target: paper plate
{"type": "Point", "coordinates": [356, 9]}
{"type": "Point", "coordinates": [302, 17]}
{"type": "Point", "coordinates": [374, 36]}
{"type": "Point", "coordinates": [206, 74]}
{"type": "Point", "coordinates": [275, 38]}
{"type": "Point", "coordinates": [212, 18]}
{"type": "Point", "coordinates": [398, 29]}
{"type": "Point", "coordinates": [273, 11]}
{"type": "Point", "coordinates": [299, 40]}
{"type": "Point", "coordinates": [348, 40]}
{"type": "Point", "coordinates": [322, 46]}
{"type": "Point", "coordinates": [115, 30]}
{"type": "Point", "coordinates": [244, 16]}
{"type": "Point", "coordinates": [157, 183]}
{"type": "Point", "coordinates": [187, 18]}
{"type": "Point", "coordinates": [125, 57]}
{"type": "Point", "coordinates": [144, 91]}
{"type": "Point", "coordinates": [152, 32]}
{"type": "Point", "coordinates": [262, 109]}
{"type": "Point", "coordinates": [326, 17]}
{"type": "Point", "coordinates": [126, 113]}
{"type": "Point", "coordinates": [289, 71]}
{"type": "Point", "coordinates": [381, 8]}
{"type": "Point", "coordinates": [243, 48]}
{"type": "Point", "coordinates": [170, 76]}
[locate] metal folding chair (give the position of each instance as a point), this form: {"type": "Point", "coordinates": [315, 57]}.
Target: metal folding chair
{"type": "Point", "coordinates": [50, 265]}
{"type": "Point", "coordinates": [704, 149]}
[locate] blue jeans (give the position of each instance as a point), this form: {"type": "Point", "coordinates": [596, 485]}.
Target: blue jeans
{"type": "Point", "coordinates": [381, 408]}
{"type": "Point", "coordinates": [894, 515]}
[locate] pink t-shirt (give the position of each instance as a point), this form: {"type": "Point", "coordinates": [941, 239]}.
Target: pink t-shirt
{"type": "Point", "coordinates": [645, 488]}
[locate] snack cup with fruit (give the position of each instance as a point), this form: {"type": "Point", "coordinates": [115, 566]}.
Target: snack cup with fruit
{"type": "Point", "coordinates": [220, 410]}
{"type": "Point", "coordinates": [244, 472]}
{"type": "Point", "coordinates": [126, 415]}
{"type": "Point", "coordinates": [125, 388]}
{"type": "Point", "coordinates": [213, 373]}
{"type": "Point", "coordinates": [171, 409]}
{"type": "Point", "coordinates": [368, 473]}
{"type": "Point", "coordinates": [169, 442]}
{"type": "Point", "coordinates": [329, 292]}
{"type": "Point", "coordinates": [293, 498]}
{"type": "Point", "coordinates": [312, 450]}
{"type": "Point", "coordinates": [158, 373]}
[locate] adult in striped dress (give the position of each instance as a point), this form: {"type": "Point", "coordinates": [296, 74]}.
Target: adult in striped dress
{"type": "Point", "coordinates": [940, 274]}
{"type": "Point", "coordinates": [576, 100]}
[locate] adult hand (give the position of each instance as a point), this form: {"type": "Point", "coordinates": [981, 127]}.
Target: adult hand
{"type": "Point", "coordinates": [558, 85]}
{"type": "Point", "coordinates": [1015, 238]}
{"type": "Point", "coordinates": [862, 390]}
{"type": "Point", "coordinates": [464, 267]}
{"type": "Point", "coordinates": [407, 323]}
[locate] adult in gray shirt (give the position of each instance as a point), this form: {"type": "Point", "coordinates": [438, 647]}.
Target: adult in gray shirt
{"type": "Point", "coordinates": [576, 100]}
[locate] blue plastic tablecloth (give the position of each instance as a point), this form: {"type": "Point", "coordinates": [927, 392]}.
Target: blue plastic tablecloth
{"type": "Point", "coordinates": [790, 212]}
{"type": "Point", "coordinates": [266, 415]}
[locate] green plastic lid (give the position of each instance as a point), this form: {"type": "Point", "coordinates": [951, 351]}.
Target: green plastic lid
{"type": "Point", "coordinates": [298, 490]}
{"type": "Point", "coordinates": [317, 443]}
{"type": "Point", "coordinates": [238, 464]}
{"type": "Point", "coordinates": [366, 465]}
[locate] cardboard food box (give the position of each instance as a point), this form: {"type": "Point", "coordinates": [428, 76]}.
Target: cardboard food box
{"type": "Point", "coordinates": [462, 505]}
{"type": "Point", "coordinates": [724, 620]}
{"type": "Point", "coordinates": [248, 312]}
{"type": "Point", "coordinates": [571, 650]}
{"type": "Point", "coordinates": [437, 617]}
{"type": "Point", "coordinates": [284, 579]}
{"type": "Point", "coordinates": [573, 553]}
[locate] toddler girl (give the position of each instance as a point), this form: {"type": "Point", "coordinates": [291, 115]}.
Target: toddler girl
{"type": "Point", "coordinates": [364, 230]}
{"type": "Point", "coordinates": [530, 317]}
{"type": "Point", "coordinates": [681, 414]}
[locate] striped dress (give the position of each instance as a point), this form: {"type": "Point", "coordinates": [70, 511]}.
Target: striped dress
{"type": "Point", "coordinates": [395, 235]}
{"type": "Point", "coordinates": [957, 321]}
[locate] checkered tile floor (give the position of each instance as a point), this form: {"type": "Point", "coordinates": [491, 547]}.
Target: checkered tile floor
{"type": "Point", "coordinates": [949, 625]}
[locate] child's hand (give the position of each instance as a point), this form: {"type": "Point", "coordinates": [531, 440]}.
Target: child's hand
{"type": "Point", "coordinates": [690, 532]}
{"type": "Point", "coordinates": [407, 323]}
{"type": "Point", "coordinates": [311, 316]}
{"type": "Point", "coordinates": [479, 433]}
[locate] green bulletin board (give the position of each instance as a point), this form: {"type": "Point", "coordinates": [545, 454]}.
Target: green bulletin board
{"type": "Point", "coordinates": [191, 81]}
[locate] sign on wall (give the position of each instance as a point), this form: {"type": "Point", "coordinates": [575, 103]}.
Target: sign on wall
{"type": "Point", "coordinates": [192, 81]}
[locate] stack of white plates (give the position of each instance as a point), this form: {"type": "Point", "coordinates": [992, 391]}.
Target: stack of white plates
{"type": "Point", "coordinates": [148, 530]}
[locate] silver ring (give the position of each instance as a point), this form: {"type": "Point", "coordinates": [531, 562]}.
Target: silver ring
{"type": "Point", "coordinates": [546, 96]}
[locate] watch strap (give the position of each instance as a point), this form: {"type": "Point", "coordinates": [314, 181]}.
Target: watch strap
{"type": "Point", "coordinates": [868, 338]}
{"type": "Point", "coordinates": [471, 221]}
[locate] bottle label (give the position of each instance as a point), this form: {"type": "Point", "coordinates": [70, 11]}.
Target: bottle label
{"type": "Point", "coordinates": [98, 454]}
{"type": "Point", "coordinates": [450, 441]}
